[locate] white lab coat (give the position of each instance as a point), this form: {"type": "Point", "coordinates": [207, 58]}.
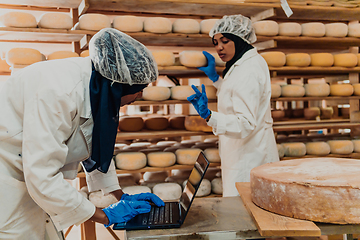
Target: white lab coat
{"type": "Point", "coordinates": [45, 132]}
{"type": "Point", "coordinates": [243, 121]}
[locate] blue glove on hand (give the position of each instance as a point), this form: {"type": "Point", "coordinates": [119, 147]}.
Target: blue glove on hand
{"type": "Point", "coordinates": [200, 101]}
{"type": "Point", "coordinates": [123, 211]}
{"type": "Point", "coordinates": [210, 69]}
{"type": "Point", "coordinates": [144, 197]}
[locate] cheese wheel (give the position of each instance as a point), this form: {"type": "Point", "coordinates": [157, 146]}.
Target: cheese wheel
{"type": "Point", "coordinates": [155, 176]}
{"type": "Point", "coordinates": [206, 25]}
{"type": "Point", "coordinates": [210, 91]}
{"type": "Point", "coordinates": [356, 87]}
{"type": "Point", "coordinates": [187, 156]}
{"type": "Point", "coordinates": [317, 89]}
{"type": "Point", "coordinates": [140, 144]}
{"type": "Point", "coordinates": [216, 186]}
{"type": "Point", "coordinates": [167, 191]}
{"type": "Point", "coordinates": [358, 57]}
{"type": "Point", "coordinates": [298, 59]}
{"type": "Point", "coordinates": [166, 143]}
{"type": "Point", "coordinates": [277, 114]}
{"type": "Point", "coordinates": [345, 89]}
{"type": "Point", "coordinates": [317, 148]}
{"type": "Point", "coordinates": [4, 67]}
{"type": "Point", "coordinates": [212, 154]}
{"type": "Point", "coordinates": [131, 190]}
{"type": "Point", "coordinates": [291, 29]}
{"type": "Point", "coordinates": [274, 59]}
{"type": "Point", "coordinates": [292, 90]}
{"type": "Point", "coordinates": [341, 146]}
{"type": "Point", "coordinates": [281, 150]}
{"type": "Point", "coordinates": [311, 113]}
{"type": "Point", "coordinates": [19, 19]}
{"type": "Point", "coordinates": [62, 55]}
{"type": "Point", "coordinates": [84, 53]}
{"type": "Point", "coordinates": [94, 21]}
{"type": "Point", "coordinates": [354, 30]}
{"type": "Point", "coordinates": [181, 92]}
{"type": "Point", "coordinates": [189, 58]}
{"type": "Point", "coordinates": [356, 143]}
{"type": "Point", "coordinates": [266, 28]}
{"type": "Point", "coordinates": [130, 160]}
{"type": "Point", "coordinates": [177, 122]}
{"type": "Point", "coordinates": [156, 123]}
{"type": "Point", "coordinates": [84, 194]}
{"type": "Point", "coordinates": [161, 159]}
{"type": "Point", "coordinates": [156, 93]}
{"type": "Point", "coordinates": [275, 90]}
{"type": "Point", "coordinates": [218, 61]}
{"type": "Point", "coordinates": [196, 123]}
{"type": "Point", "coordinates": [164, 58]}
{"type": "Point", "coordinates": [157, 25]}
{"type": "Point", "coordinates": [23, 56]}
{"type": "Point", "coordinates": [128, 23]}
{"type": "Point", "coordinates": [345, 60]}
{"type": "Point", "coordinates": [130, 124]}
{"type": "Point", "coordinates": [326, 112]}
{"type": "Point", "coordinates": [186, 26]}
{"type": "Point", "coordinates": [355, 116]}
{"type": "Point", "coordinates": [56, 20]}
{"type": "Point", "coordinates": [204, 188]}
{"type": "Point", "coordinates": [313, 29]}
{"type": "Point", "coordinates": [100, 200]}
{"type": "Point", "coordinates": [336, 30]}
{"type": "Point", "coordinates": [322, 59]}
{"type": "Point", "coordinates": [294, 149]}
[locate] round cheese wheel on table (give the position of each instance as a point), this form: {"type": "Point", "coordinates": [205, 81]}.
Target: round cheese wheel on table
{"type": "Point", "coordinates": [56, 21]}
{"type": "Point", "coordinates": [84, 53]}
{"type": "Point", "coordinates": [356, 143]}
{"type": "Point", "coordinates": [131, 190]}
{"type": "Point", "coordinates": [100, 200]}
{"type": "Point", "coordinates": [177, 122]}
{"type": "Point", "coordinates": [345, 60]}
{"type": "Point", "coordinates": [157, 25]}
{"type": "Point", "coordinates": [344, 89]}
{"type": "Point", "coordinates": [156, 93]}
{"type": "Point", "coordinates": [196, 123]}
{"type": "Point", "coordinates": [356, 87]}
{"type": "Point", "coordinates": [181, 92]}
{"type": "Point", "coordinates": [317, 148]}
{"type": "Point", "coordinates": [336, 30]}
{"type": "Point", "coordinates": [354, 30]}
{"type": "Point", "coordinates": [316, 189]}
{"type": "Point", "coordinates": [275, 90]}
{"type": "Point", "coordinates": [294, 149]}
{"type": "Point", "coordinates": [190, 58]}
{"type": "Point", "coordinates": [19, 19]}
{"type": "Point", "coordinates": [313, 29]}
{"type": "Point", "coordinates": [212, 154]}
{"type": "Point", "coordinates": [62, 55]}
{"type": "Point", "coordinates": [274, 58]}
{"type": "Point", "coordinates": [187, 156]}
{"type": "Point", "coordinates": [94, 21]}
{"type": "Point", "coordinates": [130, 123]}
{"type": "Point", "coordinates": [130, 160]}
{"type": "Point", "coordinates": [128, 23]}
{"type": "Point", "coordinates": [311, 113]}
{"type": "Point", "coordinates": [156, 123]}
{"type": "Point", "coordinates": [206, 25]}
{"type": "Point", "coordinates": [266, 28]}
{"type": "Point", "coordinates": [186, 26]}
{"type": "Point", "coordinates": [341, 146]}
{"type": "Point", "coordinates": [291, 29]}
{"type": "Point", "coordinates": [292, 90]}
{"type": "Point", "coordinates": [322, 59]}
{"type": "Point", "coordinates": [298, 59]}
{"type": "Point", "coordinates": [161, 159]}
{"type": "Point", "coordinates": [164, 58]}
{"type": "Point", "coordinates": [317, 89]}
{"type": "Point", "coordinates": [167, 191]}
{"type": "Point", "coordinates": [216, 186]}
{"type": "Point", "coordinates": [23, 56]}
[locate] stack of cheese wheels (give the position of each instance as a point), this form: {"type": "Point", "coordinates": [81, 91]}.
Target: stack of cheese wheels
{"type": "Point", "coordinates": [210, 91]}
{"type": "Point", "coordinates": [56, 20]}
{"type": "Point", "coordinates": [298, 59]}
{"type": "Point", "coordinates": [62, 55]}
{"type": "Point", "coordinates": [317, 89]}
{"type": "Point", "coordinates": [187, 156]}
{"type": "Point", "coordinates": [294, 149]}
{"type": "Point", "coordinates": [164, 58]}
{"type": "Point", "coordinates": [186, 26]}
{"type": "Point", "coordinates": [131, 123]}
{"type": "Point", "coordinates": [167, 191]}
{"type": "Point", "coordinates": [23, 56]}
{"type": "Point", "coordinates": [212, 154]}
{"type": "Point", "coordinates": [94, 21]}
{"type": "Point", "coordinates": [156, 123]}
{"type": "Point", "coordinates": [332, 183]}
{"type": "Point", "coordinates": [157, 25]}
{"type": "Point", "coordinates": [336, 30]}
{"type": "Point", "coordinates": [317, 148]}
{"type": "Point", "coordinates": [161, 159]}
{"type": "Point", "coordinates": [356, 143]}
{"type": "Point", "coordinates": [345, 60]}
{"type": "Point", "coordinates": [84, 53]}
{"type": "Point", "coordinates": [156, 93]}
{"type": "Point", "coordinates": [130, 160]}
{"type": "Point", "coordinates": [19, 19]}
{"type": "Point", "coordinates": [266, 28]}
{"type": "Point", "coordinates": [291, 29]}
{"type": "Point", "coordinates": [131, 190]}
{"type": "Point", "coordinates": [274, 58]}
{"type": "Point", "coordinates": [206, 25]}
{"type": "Point", "coordinates": [216, 186]}
{"type": "Point", "coordinates": [313, 29]}
{"type": "Point", "coordinates": [344, 89]}
{"type": "Point", "coordinates": [190, 58]}
{"type": "Point", "coordinates": [275, 90]}
{"type": "Point", "coordinates": [355, 116]}
{"type": "Point", "coordinates": [100, 200]}
{"type": "Point", "coordinates": [341, 146]}
{"type": "Point", "coordinates": [196, 123]}
{"type": "Point", "coordinates": [181, 92]}
{"type": "Point", "coordinates": [292, 90]}
{"type": "Point", "coordinates": [128, 23]}
{"type": "Point", "coordinates": [354, 30]}
{"type": "Point", "coordinates": [4, 67]}
{"type": "Point", "coordinates": [311, 113]}
{"type": "Point", "coordinates": [326, 112]}
{"type": "Point", "coordinates": [177, 122]}
{"type": "Point", "coordinates": [322, 59]}
{"type": "Point", "coordinates": [356, 87]}
{"type": "Point", "coordinates": [281, 150]}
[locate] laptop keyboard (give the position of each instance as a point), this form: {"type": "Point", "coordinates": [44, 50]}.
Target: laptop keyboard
{"type": "Point", "coordinates": [159, 215]}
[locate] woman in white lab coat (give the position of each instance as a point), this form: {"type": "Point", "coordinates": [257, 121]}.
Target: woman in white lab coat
{"type": "Point", "coordinates": [56, 114]}
{"type": "Point", "coordinates": [243, 121]}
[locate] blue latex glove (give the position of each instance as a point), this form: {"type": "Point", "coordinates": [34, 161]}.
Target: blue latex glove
{"type": "Point", "coordinates": [144, 197]}
{"type": "Point", "coordinates": [123, 211]}
{"type": "Point", "coordinates": [200, 101]}
{"type": "Point", "coordinates": [210, 69]}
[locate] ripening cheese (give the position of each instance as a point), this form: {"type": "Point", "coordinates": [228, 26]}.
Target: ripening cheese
{"type": "Point", "coordinates": [164, 58]}
{"type": "Point", "coordinates": [187, 156]}
{"type": "Point", "coordinates": [156, 93]}
{"type": "Point", "coordinates": [4, 67]}
{"type": "Point", "coordinates": [56, 20]}
{"type": "Point", "coordinates": [317, 89]}
{"type": "Point", "coordinates": [204, 189]}
{"type": "Point", "coordinates": [281, 150]}
{"type": "Point", "coordinates": [189, 58]}
{"type": "Point", "coordinates": [62, 55]}
{"type": "Point", "coordinates": [155, 176]}
{"type": "Point", "coordinates": [84, 53]}
{"type": "Point", "coordinates": [292, 90]}
{"type": "Point", "coordinates": [212, 154]}
{"type": "Point", "coordinates": [161, 159]}
{"type": "Point", "coordinates": [291, 29]}
{"type": "Point", "coordinates": [186, 26]}
{"type": "Point", "coordinates": [166, 143]}
{"type": "Point", "coordinates": [298, 59]}
{"type": "Point", "coordinates": [156, 123]}
{"type": "Point", "coordinates": [196, 123]}
{"type": "Point", "coordinates": [274, 59]}
{"type": "Point", "coordinates": [355, 116]}
{"type": "Point", "coordinates": [341, 146]}
{"type": "Point", "coordinates": [210, 91]}
{"type": "Point", "coordinates": [354, 30]}
{"type": "Point", "coordinates": [167, 191]}
{"type": "Point", "coordinates": [275, 90]}
{"type": "Point", "coordinates": [177, 122]}
{"type": "Point", "coordinates": [326, 112]}
{"type": "Point", "coordinates": [356, 87]}
{"type": "Point", "coordinates": [322, 59]}
{"type": "Point", "coordinates": [19, 19]}
{"type": "Point", "coordinates": [356, 143]}
{"type": "Point", "coordinates": [336, 30]}
{"type": "Point", "coordinates": [216, 186]}
{"type": "Point", "coordinates": [23, 56]}
{"type": "Point", "coordinates": [345, 89]}
{"type": "Point", "coordinates": [101, 201]}
{"type": "Point", "coordinates": [130, 123]}
{"type": "Point", "coordinates": [277, 114]}
{"type": "Point", "coordinates": [128, 23]}
{"type": "Point", "coordinates": [139, 144]}
{"type": "Point", "coordinates": [317, 148]}
{"type": "Point", "coordinates": [181, 92]}
{"type": "Point", "coordinates": [266, 28]}
{"type": "Point", "coordinates": [313, 29]}
{"type": "Point", "coordinates": [294, 149]}
{"type": "Point", "coordinates": [206, 25]}
{"type": "Point", "coordinates": [358, 57]}
{"type": "Point", "coordinates": [130, 160]}
{"type": "Point", "coordinates": [94, 21]}
{"type": "Point", "coordinates": [157, 25]}
{"type": "Point", "coordinates": [311, 113]}
{"type": "Point", "coordinates": [131, 190]}
{"type": "Point", "coordinates": [345, 60]}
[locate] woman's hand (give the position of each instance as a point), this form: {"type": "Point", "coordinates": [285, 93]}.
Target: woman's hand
{"type": "Point", "coordinates": [210, 69]}
{"type": "Point", "coordinates": [144, 197]}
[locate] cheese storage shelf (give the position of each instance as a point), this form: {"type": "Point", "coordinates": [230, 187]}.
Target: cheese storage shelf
{"type": "Point", "coordinates": [165, 102]}
{"type": "Point", "coordinates": [315, 98]}
{"type": "Point", "coordinates": [352, 155]}
{"type": "Point", "coordinates": [282, 127]}
{"type": "Point", "coordinates": [326, 71]}
{"type": "Point", "coordinates": [157, 134]}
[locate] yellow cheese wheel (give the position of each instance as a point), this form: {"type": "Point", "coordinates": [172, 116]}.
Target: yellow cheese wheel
{"type": "Point", "coordinates": [292, 90]}
{"type": "Point", "coordinates": [130, 160]}
{"type": "Point", "coordinates": [355, 116]}
{"type": "Point", "coordinates": [356, 87]}
{"type": "Point", "coordinates": [181, 92]}
{"type": "Point", "coordinates": [317, 148]}
{"type": "Point", "coordinates": [341, 146]}
{"type": "Point", "coordinates": [56, 20]}
{"type": "Point", "coordinates": [156, 123]}
{"type": "Point", "coordinates": [322, 59]}
{"type": "Point", "coordinates": [313, 29]}
{"type": "Point", "coordinates": [4, 67]}
{"type": "Point", "coordinates": [156, 93]}
{"type": "Point", "coordinates": [266, 28]}
{"type": "Point", "coordinates": [23, 56]}
{"type": "Point", "coordinates": [84, 53]}
{"type": "Point", "coordinates": [294, 149]}
{"type": "Point", "coordinates": [210, 91]}
{"type": "Point", "coordinates": [161, 159]}
{"type": "Point", "coordinates": [164, 58]}
{"type": "Point", "coordinates": [167, 191]}
{"type": "Point", "coordinates": [281, 150]}
{"type": "Point", "coordinates": [212, 154]}
{"type": "Point", "coordinates": [336, 30]}
{"type": "Point", "coordinates": [157, 25]}
{"type": "Point", "coordinates": [177, 122]}
{"type": "Point", "coordinates": [191, 58]}
{"type": "Point", "coordinates": [274, 59]}
{"type": "Point", "coordinates": [311, 113]}
{"type": "Point", "coordinates": [354, 30]}
{"type": "Point", "coordinates": [187, 156]}
{"type": "Point", "coordinates": [275, 90]}
{"type": "Point", "coordinates": [356, 143]}
{"type": "Point", "coordinates": [62, 55]}
{"type": "Point", "coordinates": [128, 23]}
{"type": "Point", "coordinates": [94, 21]}
{"type": "Point", "coordinates": [345, 60]}
{"type": "Point", "coordinates": [298, 59]}
{"type": "Point", "coordinates": [326, 112]}
{"type": "Point", "coordinates": [317, 89]}
{"type": "Point", "coordinates": [196, 123]}
{"type": "Point", "coordinates": [206, 25]}
{"type": "Point", "coordinates": [186, 26]}
{"type": "Point", "coordinates": [345, 89]}
{"type": "Point", "coordinates": [19, 19]}
{"type": "Point", "coordinates": [130, 123]}
{"type": "Point", "coordinates": [291, 29]}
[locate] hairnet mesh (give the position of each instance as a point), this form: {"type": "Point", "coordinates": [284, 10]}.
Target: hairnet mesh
{"type": "Point", "coordinates": [120, 58]}
{"type": "Point", "coordinates": [235, 24]}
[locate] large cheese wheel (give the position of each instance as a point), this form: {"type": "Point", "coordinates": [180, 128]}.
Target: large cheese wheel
{"type": "Point", "coordinates": [131, 190]}
{"type": "Point", "coordinates": [216, 186]}
{"type": "Point", "coordinates": [181, 92]}
{"type": "Point", "coordinates": [177, 122]}
{"type": "Point", "coordinates": [316, 189]}
{"type": "Point", "coordinates": [281, 150]}
{"type": "Point", "coordinates": [326, 112]}
{"type": "Point", "coordinates": [164, 58]}
{"type": "Point", "coordinates": [344, 89]}
{"type": "Point", "coordinates": [128, 23]}
{"type": "Point", "coordinates": [196, 123]}
{"type": "Point", "coordinates": [356, 87]}
{"type": "Point", "coordinates": [140, 144]}
{"type": "Point", "coordinates": [317, 89]}
{"type": "Point", "coordinates": [19, 19]}
{"type": "Point", "coordinates": [294, 149]}
{"type": "Point", "coordinates": [190, 58]}
{"type": "Point", "coordinates": [311, 113]}
{"type": "Point", "coordinates": [345, 60]}
{"type": "Point", "coordinates": [161, 159]}
{"type": "Point", "coordinates": [167, 191]}
{"type": "Point", "coordinates": [274, 58]}
{"type": "Point", "coordinates": [130, 160]}
{"type": "Point", "coordinates": [341, 146]}
{"type": "Point", "coordinates": [313, 29]}
{"type": "Point", "coordinates": [100, 200]}
{"type": "Point", "coordinates": [131, 124]}
{"type": "Point", "coordinates": [292, 90]}
{"type": "Point", "coordinates": [291, 29]}
{"type": "Point", "coordinates": [317, 148]}
{"type": "Point", "coordinates": [298, 59]}
{"type": "Point", "coordinates": [23, 56]}
{"type": "Point", "coordinates": [186, 26]}
{"type": "Point", "coordinates": [204, 188]}
{"type": "Point", "coordinates": [322, 59]}
{"type": "Point", "coordinates": [206, 25]}
{"type": "Point", "coordinates": [155, 176]}
{"type": "Point", "coordinates": [84, 53]}
{"type": "Point", "coordinates": [156, 93]}
{"type": "Point", "coordinates": [157, 25]}
{"type": "Point", "coordinates": [94, 21]}
{"type": "Point", "coordinates": [4, 67]}
{"type": "Point", "coordinates": [354, 30]}
{"type": "Point", "coordinates": [336, 30]}
{"type": "Point", "coordinates": [275, 90]}
{"type": "Point", "coordinates": [356, 143]}
{"type": "Point", "coordinates": [156, 123]}
{"type": "Point", "coordinates": [187, 156]}
{"type": "Point", "coordinates": [355, 116]}
{"type": "Point", "coordinates": [210, 91]}
{"type": "Point", "coordinates": [266, 28]}
{"type": "Point", "coordinates": [277, 114]}
{"type": "Point", "coordinates": [212, 154]}
{"type": "Point", "coordinates": [62, 55]}
{"type": "Point", "coordinates": [56, 20]}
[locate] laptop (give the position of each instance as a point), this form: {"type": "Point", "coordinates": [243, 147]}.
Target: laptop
{"type": "Point", "coordinates": [173, 214]}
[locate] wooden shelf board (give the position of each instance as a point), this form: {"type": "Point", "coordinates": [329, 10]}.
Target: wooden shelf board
{"type": "Point", "coordinates": [166, 102]}
{"type": "Point", "coordinates": [36, 4]}
{"type": "Point", "coordinates": [352, 155]}
{"type": "Point", "coordinates": [158, 134]}
{"type": "Point", "coordinates": [315, 98]}
{"type": "Point", "coordinates": [303, 121]}
{"type": "Point", "coordinates": [320, 125]}
{"type": "Point", "coordinates": [314, 70]}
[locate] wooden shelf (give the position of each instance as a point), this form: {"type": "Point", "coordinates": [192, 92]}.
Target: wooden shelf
{"type": "Point", "coordinates": [315, 98]}
{"type": "Point", "coordinates": [326, 71]}
{"type": "Point", "coordinates": [166, 102]}
{"type": "Point", "coordinates": [302, 121]}
{"type": "Point", "coordinates": [157, 134]}
{"type": "Point", "coordinates": [312, 125]}
{"type": "Point", "coordinates": [352, 155]}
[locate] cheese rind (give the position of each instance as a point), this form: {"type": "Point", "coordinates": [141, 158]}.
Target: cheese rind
{"type": "Point", "coordinates": [313, 29]}
{"type": "Point", "coordinates": [212, 154]}
{"type": "Point", "coordinates": [94, 21]}
{"type": "Point", "coordinates": [190, 58]}
{"type": "Point", "coordinates": [167, 191]}
{"type": "Point", "coordinates": [19, 19]}
{"type": "Point", "coordinates": [345, 60]}
{"type": "Point", "coordinates": [216, 186]}
{"type": "Point", "coordinates": [187, 156]}
{"type": "Point", "coordinates": [131, 123]}
{"type": "Point", "coordinates": [206, 25]}
{"type": "Point", "coordinates": [130, 160]}
{"type": "Point", "coordinates": [161, 159]}
{"type": "Point", "coordinates": [294, 149]}
{"type": "Point", "coordinates": [336, 30]}
{"type": "Point", "coordinates": [56, 20]}
{"type": "Point", "coordinates": [354, 30]}
{"type": "Point", "coordinates": [298, 59]}
{"type": "Point", "coordinates": [317, 89]}
{"type": "Point", "coordinates": [128, 23]}
{"type": "Point", "coordinates": [156, 123]}
{"type": "Point", "coordinates": [274, 58]}
{"type": "Point", "coordinates": [292, 90]}
{"type": "Point", "coordinates": [156, 93]}
{"type": "Point", "coordinates": [317, 148]}
{"type": "Point", "coordinates": [23, 56]}
{"type": "Point", "coordinates": [275, 90]}
{"type": "Point", "coordinates": [266, 28]}
{"type": "Point", "coordinates": [345, 89]}
{"type": "Point", "coordinates": [291, 29]}
{"type": "Point", "coordinates": [157, 25]}
{"type": "Point", "coordinates": [164, 58]}
{"type": "Point", "coordinates": [186, 26]}
{"type": "Point", "coordinates": [322, 59]}
{"type": "Point", "coordinates": [181, 92]}
{"type": "Point", "coordinates": [341, 146]}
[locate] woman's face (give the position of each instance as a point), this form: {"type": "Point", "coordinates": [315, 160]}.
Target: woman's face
{"type": "Point", "coordinates": [127, 99]}
{"type": "Point", "coordinates": [224, 47]}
